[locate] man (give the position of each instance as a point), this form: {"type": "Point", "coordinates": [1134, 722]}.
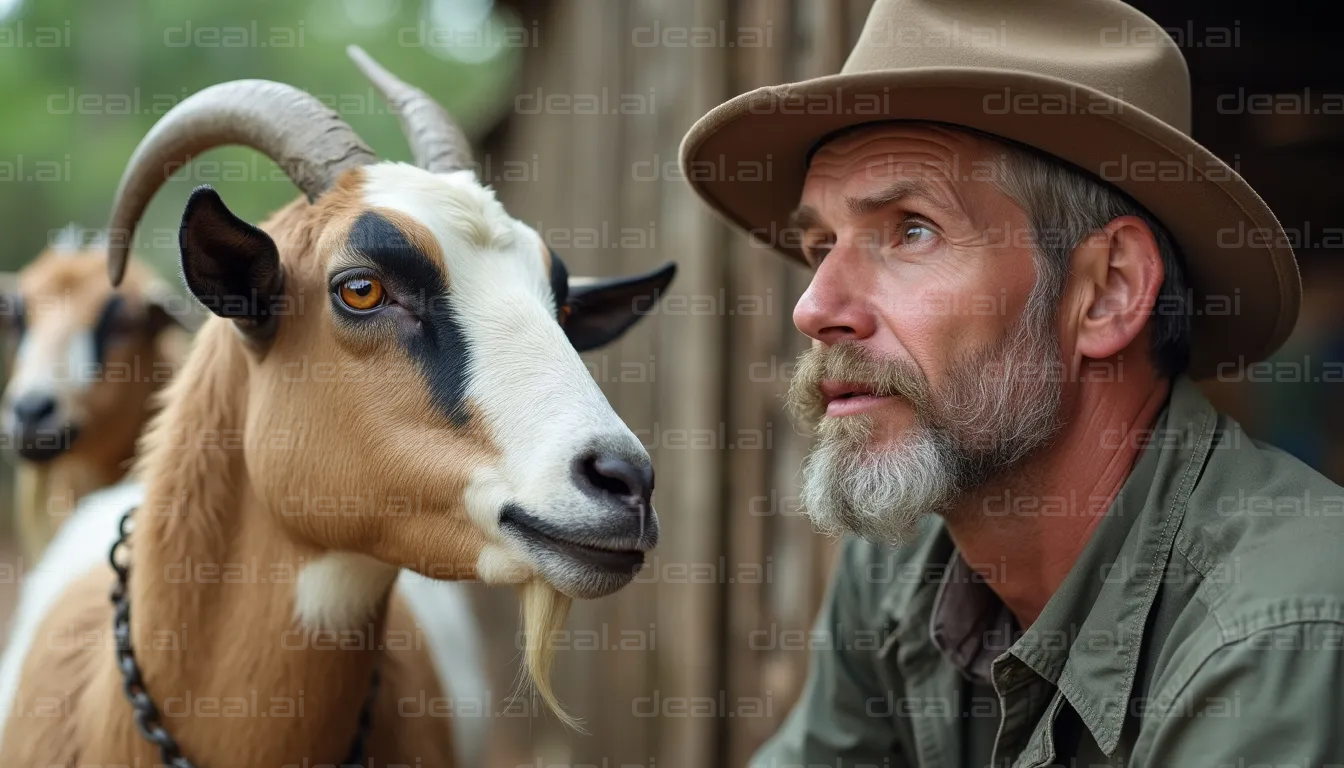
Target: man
{"type": "Point", "coordinates": [1020, 261]}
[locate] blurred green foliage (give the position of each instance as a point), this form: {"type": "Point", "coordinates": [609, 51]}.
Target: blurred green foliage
{"type": "Point", "coordinates": [83, 81]}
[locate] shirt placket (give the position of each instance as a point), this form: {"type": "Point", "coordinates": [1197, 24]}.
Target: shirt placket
{"type": "Point", "coordinates": [1041, 750]}
{"type": "Point", "coordinates": [936, 738]}
{"type": "Point", "coordinates": [1023, 698]}
{"type": "Point", "coordinates": [929, 683]}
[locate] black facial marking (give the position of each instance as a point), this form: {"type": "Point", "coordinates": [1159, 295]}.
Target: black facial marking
{"type": "Point", "coordinates": [109, 323]}
{"type": "Point", "coordinates": [399, 262]}
{"type": "Point", "coordinates": [438, 346]}
{"type": "Point", "coordinates": [559, 281]}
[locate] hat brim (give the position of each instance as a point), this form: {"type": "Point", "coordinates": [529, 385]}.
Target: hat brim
{"type": "Point", "coordinates": [747, 158]}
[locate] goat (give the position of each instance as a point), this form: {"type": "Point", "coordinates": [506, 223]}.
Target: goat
{"type": "Point", "coordinates": [88, 360]}
{"type": "Point", "coordinates": [393, 381]}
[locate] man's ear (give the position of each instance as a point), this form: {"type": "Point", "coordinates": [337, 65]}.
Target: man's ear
{"type": "Point", "coordinates": [230, 266]}
{"type": "Point", "coordinates": [1119, 269]}
{"type": "Point", "coordinates": [600, 310]}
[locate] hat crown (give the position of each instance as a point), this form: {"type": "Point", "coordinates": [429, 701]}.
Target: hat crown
{"type": "Point", "coordinates": [1101, 44]}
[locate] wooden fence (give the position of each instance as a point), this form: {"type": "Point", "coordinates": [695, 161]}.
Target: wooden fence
{"type": "Point", "coordinates": [700, 660]}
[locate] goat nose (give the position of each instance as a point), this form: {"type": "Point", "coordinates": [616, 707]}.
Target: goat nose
{"type": "Point", "coordinates": [33, 408]}
{"type": "Point", "coordinates": [608, 475]}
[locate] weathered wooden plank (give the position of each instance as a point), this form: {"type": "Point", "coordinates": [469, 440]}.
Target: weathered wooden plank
{"type": "Point", "coordinates": [691, 353]}
{"type": "Point", "coordinates": [755, 280]}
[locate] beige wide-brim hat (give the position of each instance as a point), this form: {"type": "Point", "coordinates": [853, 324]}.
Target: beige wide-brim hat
{"type": "Point", "coordinates": [1094, 82]}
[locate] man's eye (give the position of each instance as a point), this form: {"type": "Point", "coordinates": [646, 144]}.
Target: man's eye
{"type": "Point", "coordinates": [815, 249]}
{"type": "Point", "coordinates": [814, 256]}
{"type": "Point", "coordinates": [913, 232]}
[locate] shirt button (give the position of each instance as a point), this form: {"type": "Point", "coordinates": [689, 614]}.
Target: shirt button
{"type": "Point", "coordinates": [1010, 675]}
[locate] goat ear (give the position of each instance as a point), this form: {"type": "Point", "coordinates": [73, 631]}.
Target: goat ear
{"type": "Point", "coordinates": [230, 266]}
{"type": "Point", "coordinates": [601, 310]}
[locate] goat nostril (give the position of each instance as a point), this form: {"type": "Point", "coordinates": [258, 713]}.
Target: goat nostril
{"type": "Point", "coordinates": [34, 408]}
{"type": "Point", "coordinates": [618, 477]}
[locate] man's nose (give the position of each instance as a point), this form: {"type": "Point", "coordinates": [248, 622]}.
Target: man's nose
{"type": "Point", "coordinates": [837, 304]}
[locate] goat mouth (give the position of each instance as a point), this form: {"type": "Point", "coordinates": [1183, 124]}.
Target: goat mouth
{"type": "Point", "coordinates": [539, 534]}
{"type": "Point", "coordinates": [43, 445]}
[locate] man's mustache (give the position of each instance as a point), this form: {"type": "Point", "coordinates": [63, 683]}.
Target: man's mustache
{"type": "Point", "coordinates": [852, 363]}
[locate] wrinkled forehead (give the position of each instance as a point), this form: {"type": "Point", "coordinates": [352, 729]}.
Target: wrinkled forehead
{"type": "Point", "coordinates": [864, 169]}
{"type": "Point", "coordinates": [443, 229]}
{"type": "Point", "coordinates": [920, 148]}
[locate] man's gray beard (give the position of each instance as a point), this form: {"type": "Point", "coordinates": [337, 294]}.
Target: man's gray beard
{"type": "Point", "coordinates": [997, 407]}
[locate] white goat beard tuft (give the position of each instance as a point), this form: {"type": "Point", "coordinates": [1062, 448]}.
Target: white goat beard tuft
{"type": "Point", "coordinates": [544, 613]}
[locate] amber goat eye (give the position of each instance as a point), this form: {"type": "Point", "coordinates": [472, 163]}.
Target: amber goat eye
{"type": "Point", "coordinates": [361, 293]}
{"type": "Point", "coordinates": [564, 313]}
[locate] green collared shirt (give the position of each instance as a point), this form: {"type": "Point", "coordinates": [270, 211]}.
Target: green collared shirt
{"type": "Point", "coordinates": [1202, 625]}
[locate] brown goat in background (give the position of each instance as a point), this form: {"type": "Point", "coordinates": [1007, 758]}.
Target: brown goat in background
{"type": "Point", "coordinates": [88, 358]}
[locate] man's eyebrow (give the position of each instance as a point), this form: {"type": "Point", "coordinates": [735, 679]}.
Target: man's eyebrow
{"type": "Point", "coordinates": [806, 217]}
{"type": "Point", "coordinates": [900, 190]}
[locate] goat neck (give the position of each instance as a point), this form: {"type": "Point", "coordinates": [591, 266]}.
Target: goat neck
{"type": "Point", "coordinates": [212, 585]}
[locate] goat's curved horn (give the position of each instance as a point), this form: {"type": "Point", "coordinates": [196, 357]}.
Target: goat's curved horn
{"type": "Point", "coordinates": [436, 141]}
{"type": "Point", "coordinates": [307, 139]}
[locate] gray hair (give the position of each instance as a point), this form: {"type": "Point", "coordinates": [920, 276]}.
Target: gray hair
{"type": "Point", "coordinates": [1065, 205]}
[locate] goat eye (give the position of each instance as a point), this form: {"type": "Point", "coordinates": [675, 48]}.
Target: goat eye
{"type": "Point", "coordinates": [564, 313]}
{"type": "Point", "coordinates": [361, 293]}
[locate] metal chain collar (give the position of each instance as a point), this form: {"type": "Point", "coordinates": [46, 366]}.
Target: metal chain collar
{"type": "Point", "coordinates": [147, 717]}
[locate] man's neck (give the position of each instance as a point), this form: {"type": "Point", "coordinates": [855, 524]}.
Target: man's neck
{"type": "Point", "coordinates": [1025, 531]}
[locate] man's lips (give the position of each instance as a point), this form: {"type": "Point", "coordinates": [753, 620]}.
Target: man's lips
{"type": "Point", "coordinates": [846, 398]}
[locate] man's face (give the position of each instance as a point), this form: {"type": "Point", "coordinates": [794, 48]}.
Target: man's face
{"type": "Point", "coordinates": [930, 370]}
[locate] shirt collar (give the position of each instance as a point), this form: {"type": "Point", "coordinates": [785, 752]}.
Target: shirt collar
{"type": "Point", "coordinates": [1088, 637]}
{"type": "Point", "coordinates": [970, 624]}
